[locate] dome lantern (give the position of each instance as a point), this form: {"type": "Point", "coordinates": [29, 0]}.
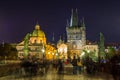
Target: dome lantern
{"type": "Point", "coordinates": [37, 32]}
{"type": "Point", "coordinates": [37, 27]}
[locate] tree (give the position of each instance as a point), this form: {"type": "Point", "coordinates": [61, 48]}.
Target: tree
{"type": "Point", "coordinates": [26, 43]}
{"type": "Point", "coordinates": [90, 54]}
{"type": "Point", "coordinates": [111, 52]}
{"type": "Point", "coordinates": [7, 51]}
{"type": "Point", "coordinates": [101, 53]}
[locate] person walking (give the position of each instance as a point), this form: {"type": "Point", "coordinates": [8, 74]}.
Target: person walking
{"type": "Point", "coordinates": [60, 67]}
{"type": "Point", "coordinates": [79, 65]}
{"type": "Point", "coordinates": [74, 63]}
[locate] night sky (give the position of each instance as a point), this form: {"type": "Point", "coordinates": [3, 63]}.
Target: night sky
{"type": "Point", "coordinates": [17, 18]}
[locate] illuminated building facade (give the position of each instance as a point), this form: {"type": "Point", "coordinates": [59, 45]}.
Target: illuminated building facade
{"type": "Point", "coordinates": [62, 49]}
{"type": "Point", "coordinates": [51, 52]}
{"type": "Point", "coordinates": [33, 44]}
{"type": "Point", "coordinates": [76, 37]}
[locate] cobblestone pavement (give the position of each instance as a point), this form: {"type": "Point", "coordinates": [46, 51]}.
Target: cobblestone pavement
{"type": "Point", "coordinates": [52, 75]}
{"type": "Point", "coordinates": [55, 76]}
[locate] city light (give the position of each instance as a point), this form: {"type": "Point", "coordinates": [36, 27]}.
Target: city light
{"type": "Point", "coordinates": [43, 50]}
{"type": "Point", "coordinates": [82, 54]}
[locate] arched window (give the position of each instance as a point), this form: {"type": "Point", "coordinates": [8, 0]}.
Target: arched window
{"type": "Point", "coordinates": [35, 41]}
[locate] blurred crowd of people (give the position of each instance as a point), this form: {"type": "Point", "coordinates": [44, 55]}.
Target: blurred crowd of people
{"type": "Point", "coordinates": [78, 66]}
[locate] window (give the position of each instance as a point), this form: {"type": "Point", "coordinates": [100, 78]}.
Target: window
{"type": "Point", "coordinates": [35, 41]}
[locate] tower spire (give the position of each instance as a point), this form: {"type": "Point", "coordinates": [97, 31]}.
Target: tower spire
{"type": "Point", "coordinates": [63, 37]}
{"type": "Point", "coordinates": [67, 23]}
{"type": "Point", "coordinates": [53, 38]}
{"type": "Point", "coordinates": [3, 43]}
{"type": "Point", "coordinates": [37, 27]}
{"type": "Point", "coordinates": [74, 18]}
{"type": "Point", "coordinates": [82, 22]}
{"type": "Point", "coordinates": [60, 38]}
{"type": "Point", "coordinates": [37, 23]}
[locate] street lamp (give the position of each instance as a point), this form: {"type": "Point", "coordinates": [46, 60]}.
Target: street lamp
{"type": "Point", "coordinates": [53, 55]}
{"type": "Point", "coordinates": [43, 51]}
{"type": "Point", "coordinates": [48, 55]}
{"type": "Point", "coordinates": [57, 54]}
{"type": "Point", "coordinates": [82, 54]}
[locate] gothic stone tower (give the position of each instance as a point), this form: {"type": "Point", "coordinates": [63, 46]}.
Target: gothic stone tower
{"type": "Point", "coordinates": [76, 35]}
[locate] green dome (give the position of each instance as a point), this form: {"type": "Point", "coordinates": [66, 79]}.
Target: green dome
{"type": "Point", "coordinates": [37, 32]}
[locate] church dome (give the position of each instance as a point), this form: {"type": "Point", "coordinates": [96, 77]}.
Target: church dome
{"type": "Point", "coordinates": [37, 32]}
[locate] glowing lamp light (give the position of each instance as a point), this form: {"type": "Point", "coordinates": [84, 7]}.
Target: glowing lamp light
{"type": "Point", "coordinates": [48, 52]}
{"type": "Point", "coordinates": [88, 51]}
{"type": "Point", "coordinates": [83, 53]}
{"type": "Point", "coordinates": [65, 50]}
{"type": "Point", "coordinates": [52, 53]}
{"type": "Point", "coordinates": [56, 54]}
{"type": "Point", "coordinates": [43, 50]}
{"type": "Point", "coordinates": [61, 50]}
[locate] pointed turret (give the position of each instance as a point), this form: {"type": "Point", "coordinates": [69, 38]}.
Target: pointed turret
{"type": "Point", "coordinates": [3, 43]}
{"type": "Point", "coordinates": [82, 22]}
{"type": "Point", "coordinates": [53, 38]}
{"type": "Point", "coordinates": [74, 18]}
{"type": "Point", "coordinates": [63, 37]}
{"type": "Point", "coordinates": [37, 26]}
{"type": "Point", "coordinates": [67, 23]}
{"type": "Point", "coordinates": [60, 40]}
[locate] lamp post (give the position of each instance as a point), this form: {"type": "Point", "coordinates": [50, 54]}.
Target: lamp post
{"type": "Point", "coordinates": [53, 55]}
{"type": "Point", "coordinates": [48, 55]}
{"type": "Point", "coordinates": [5, 59]}
{"type": "Point", "coordinates": [43, 53]}
{"type": "Point", "coordinates": [57, 56]}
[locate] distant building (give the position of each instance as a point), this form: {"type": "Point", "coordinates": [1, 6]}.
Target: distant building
{"type": "Point", "coordinates": [115, 45]}
{"type": "Point", "coordinates": [76, 37]}
{"type": "Point", "coordinates": [36, 44]}
{"type": "Point", "coordinates": [62, 49]}
{"type": "Point", "coordinates": [92, 48]}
